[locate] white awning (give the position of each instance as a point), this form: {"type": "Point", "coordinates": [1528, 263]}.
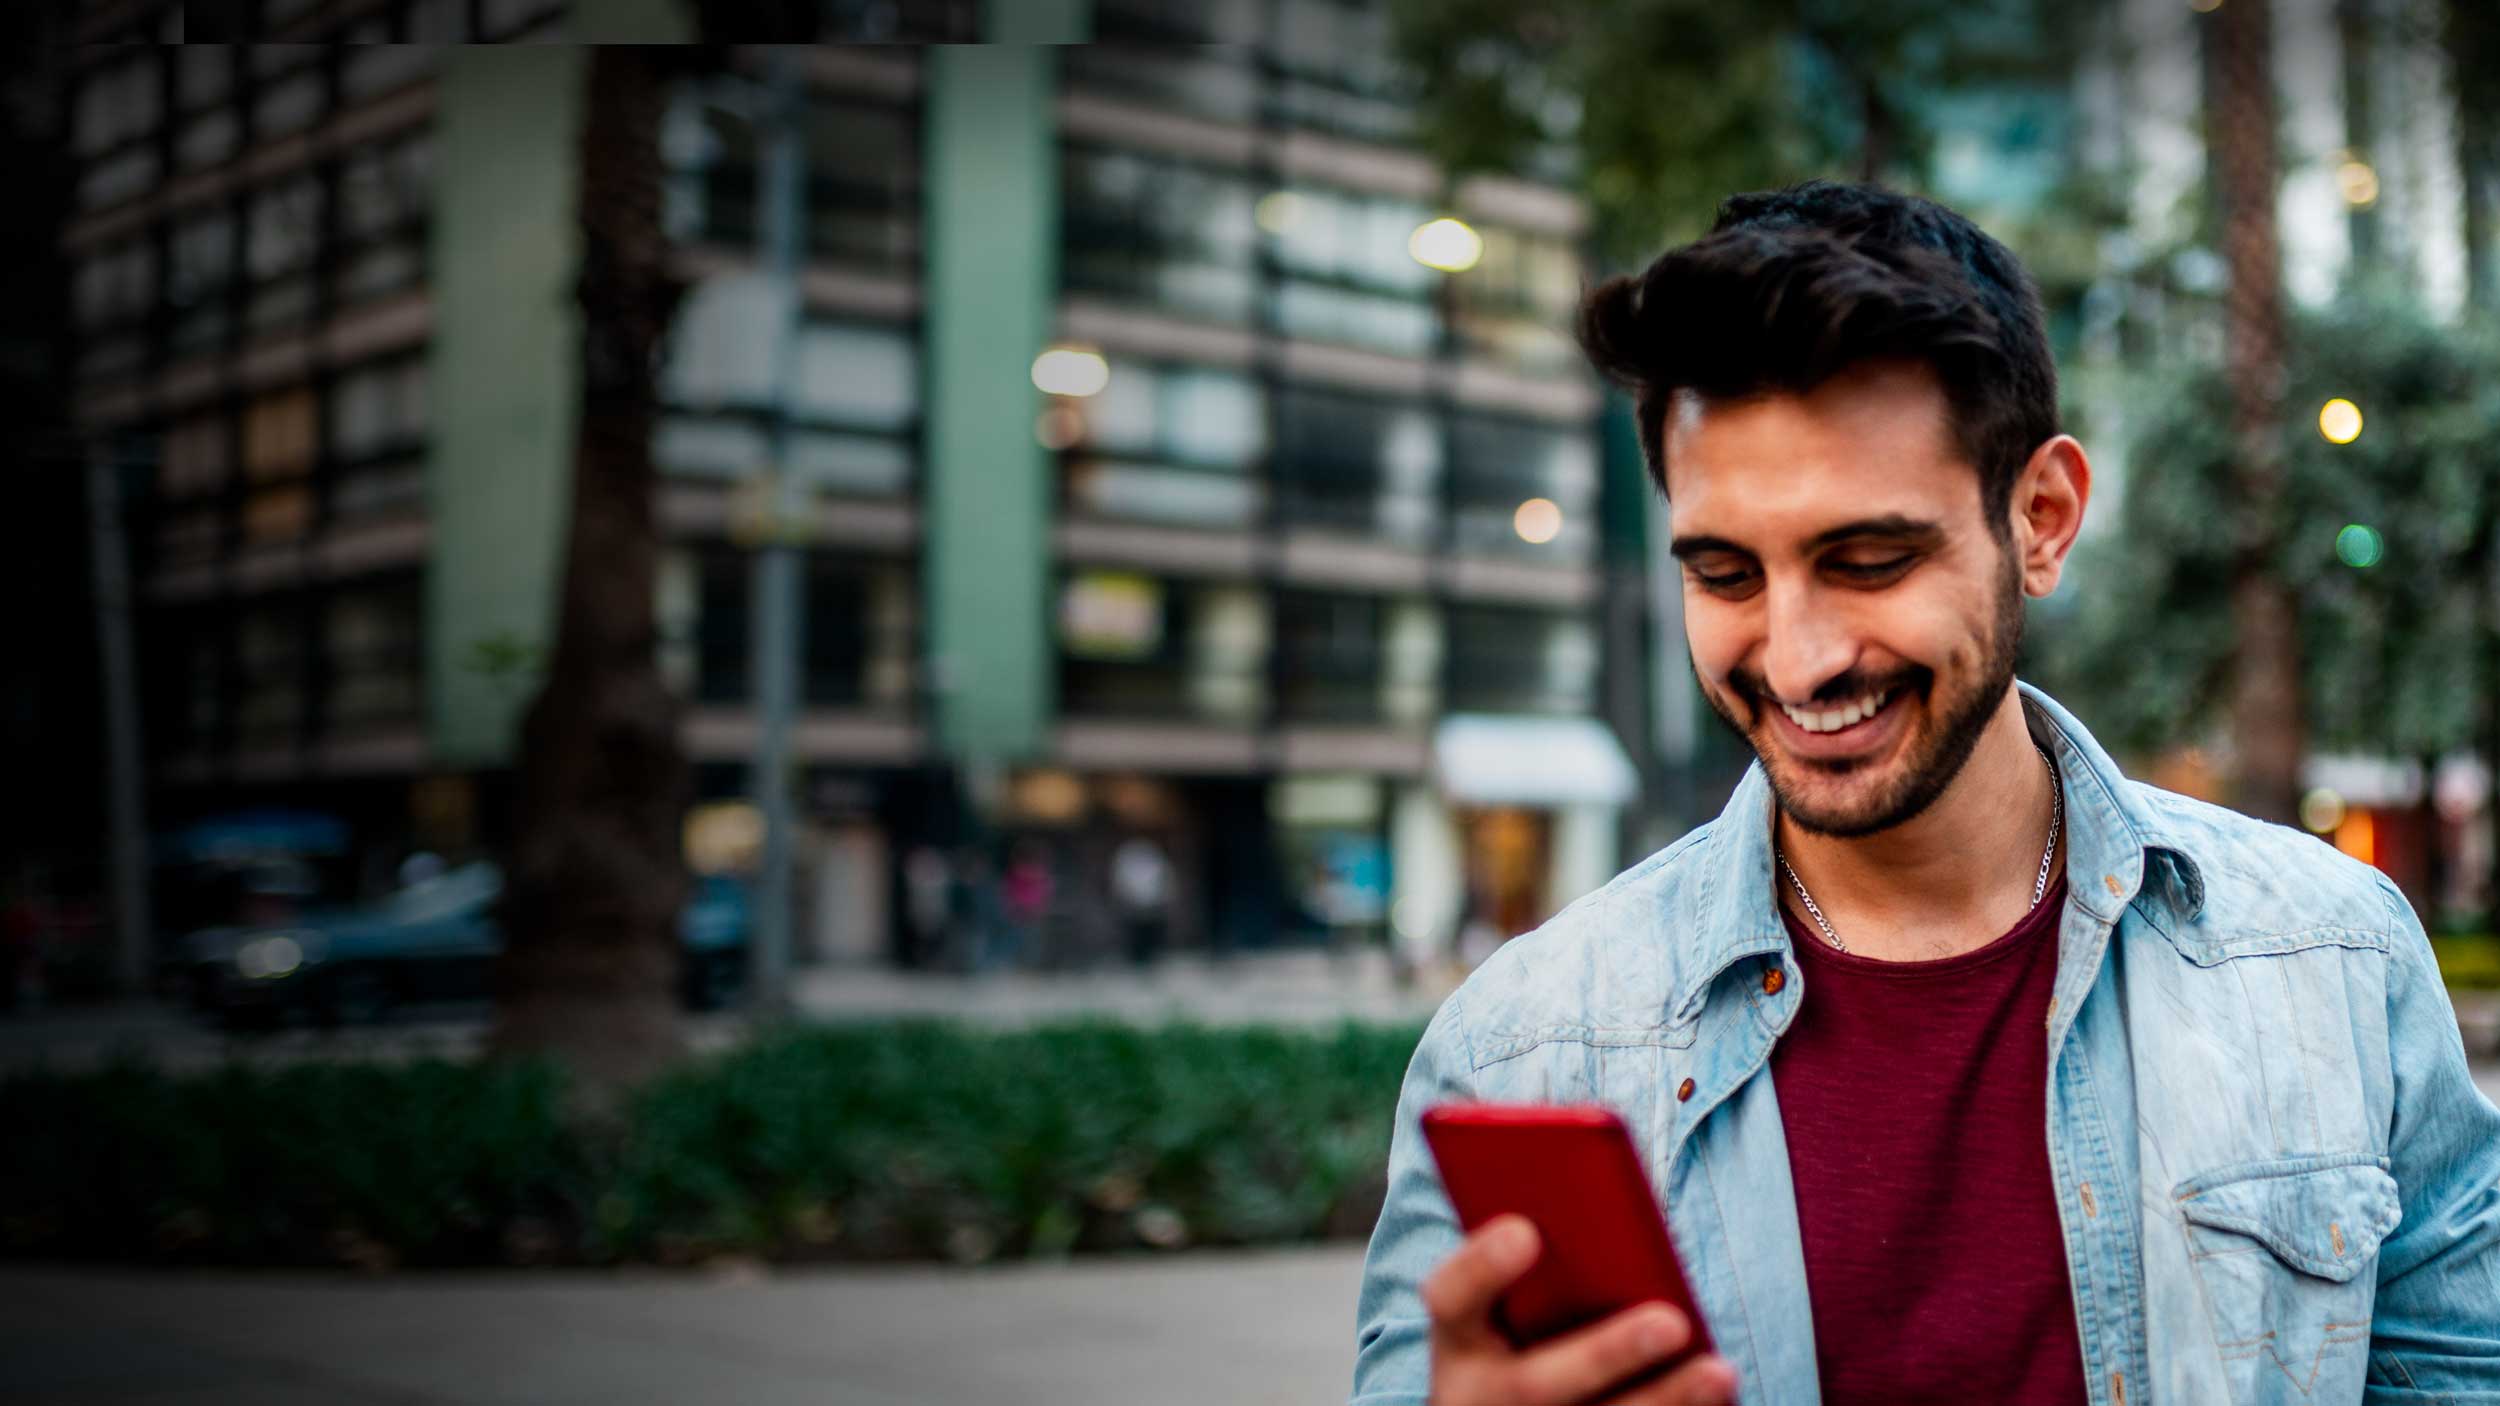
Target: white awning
{"type": "Point", "coordinates": [1487, 759]}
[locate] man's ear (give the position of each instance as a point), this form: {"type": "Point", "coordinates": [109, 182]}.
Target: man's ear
{"type": "Point", "coordinates": [2049, 497]}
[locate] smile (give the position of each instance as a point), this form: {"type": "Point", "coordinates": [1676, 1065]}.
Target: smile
{"type": "Point", "coordinates": [1846, 715]}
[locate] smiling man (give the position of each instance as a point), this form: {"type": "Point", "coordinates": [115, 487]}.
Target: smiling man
{"type": "Point", "coordinates": [1967, 1069]}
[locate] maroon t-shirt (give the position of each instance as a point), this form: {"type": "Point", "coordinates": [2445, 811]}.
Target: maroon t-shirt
{"type": "Point", "coordinates": [1914, 1096]}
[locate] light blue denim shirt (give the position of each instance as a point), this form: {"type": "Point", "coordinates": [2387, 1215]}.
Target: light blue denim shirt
{"type": "Point", "coordinates": [2277, 1180]}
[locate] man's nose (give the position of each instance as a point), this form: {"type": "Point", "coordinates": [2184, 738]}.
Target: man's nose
{"type": "Point", "coordinates": [1808, 645]}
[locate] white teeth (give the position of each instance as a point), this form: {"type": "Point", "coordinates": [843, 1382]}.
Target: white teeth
{"type": "Point", "coordinates": [1834, 719]}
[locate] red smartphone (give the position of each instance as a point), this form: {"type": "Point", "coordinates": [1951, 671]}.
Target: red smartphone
{"type": "Point", "coordinates": [1573, 1172]}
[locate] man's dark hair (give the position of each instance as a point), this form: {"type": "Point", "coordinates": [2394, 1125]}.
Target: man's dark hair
{"type": "Point", "coordinates": [1791, 287]}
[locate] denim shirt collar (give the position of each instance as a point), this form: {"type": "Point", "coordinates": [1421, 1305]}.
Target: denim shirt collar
{"type": "Point", "coordinates": [2115, 842]}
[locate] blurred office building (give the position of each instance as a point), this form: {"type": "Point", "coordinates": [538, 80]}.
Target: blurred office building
{"type": "Point", "coordinates": [1207, 536]}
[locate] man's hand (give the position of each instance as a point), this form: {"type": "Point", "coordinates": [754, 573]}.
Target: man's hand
{"type": "Point", "coordinates": [1474, 1365]}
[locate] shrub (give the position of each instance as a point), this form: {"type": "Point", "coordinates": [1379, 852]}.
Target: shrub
{"type": "Point", "coordinates": [912, 1139]}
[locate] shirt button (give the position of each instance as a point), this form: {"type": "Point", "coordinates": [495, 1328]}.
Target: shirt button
{"type": "Point", "coordinates": [1684, 1091]}
{"type": "Point", "coordinates": [1772, 981]}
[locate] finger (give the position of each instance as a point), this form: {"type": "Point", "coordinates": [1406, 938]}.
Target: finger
{"type": "Point", "coordinates": [1459, 1295]}
{"type": "Point", "coordinates": [1704, 1381]}
{"type": "Point", "coordinates": [1579, 1365]}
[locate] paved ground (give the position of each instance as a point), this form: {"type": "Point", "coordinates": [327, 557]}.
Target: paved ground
{"type": "Point", "coordinates": [1210, 1329]}
{"type": "Point", "coordinates": [1292, 987]}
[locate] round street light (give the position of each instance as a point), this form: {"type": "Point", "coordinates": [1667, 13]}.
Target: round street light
{"type": "Point", "coordinates": [1537, 521]}
{"type": "Point", "coordinates": [2340, 421]}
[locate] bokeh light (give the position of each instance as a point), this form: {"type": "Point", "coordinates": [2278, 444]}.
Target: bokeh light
{"type": "Point", "coordinates": [2322, 810]}
{"type": "Point", "coordinates": [2340, 421]}
{"type": "Point", "coordinates": [1537, 521]}
{"type": "Point", "coordinates": [2358, 182]}
{"type": "Point", "coordinates": [1446, 244]}
{"type": "Point", "coordinates": [1071, 371]}
{"type": "Point", "coordinates": [1059, 427]}
{"type": "Point", "coordinates": [2359, 545]}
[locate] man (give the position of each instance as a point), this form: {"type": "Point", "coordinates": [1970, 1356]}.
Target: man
{"type": "Point", "coordinates": [1966, 1069]}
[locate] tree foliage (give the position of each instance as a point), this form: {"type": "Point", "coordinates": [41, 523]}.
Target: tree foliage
{"type": "Point", "coordinates": [2395, 655]}
{"type": "Point", "coordinates": [1670, 105]}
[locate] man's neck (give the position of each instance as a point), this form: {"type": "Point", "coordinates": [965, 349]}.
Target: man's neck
{"type": "Point", "coordinates": [1956, 877]}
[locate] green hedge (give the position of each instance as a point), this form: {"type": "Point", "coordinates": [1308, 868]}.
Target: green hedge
{"type": "Point", "coordinates": [2468, 961]}
{"type": "Point", "coordinates": [892, 1140]}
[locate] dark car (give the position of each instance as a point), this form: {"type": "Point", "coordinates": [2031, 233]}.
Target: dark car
{"type": "Point", "coordinates": [435, 940]}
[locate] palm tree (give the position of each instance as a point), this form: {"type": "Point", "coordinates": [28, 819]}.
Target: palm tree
{"type": "Point", "coordinates": [2266, 715]}
{"type": "Point", "coordinates": [596, 876]}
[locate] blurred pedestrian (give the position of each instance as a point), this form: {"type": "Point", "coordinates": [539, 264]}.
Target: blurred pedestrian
{"type": "Point", "coordinates": [1141, 883]}
{"type": "Point", "coordinates": [928, 905]}
{"type": "Point", "coordinates": [1025, 892]}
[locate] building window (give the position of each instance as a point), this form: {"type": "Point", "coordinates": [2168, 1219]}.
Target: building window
{"type": "Point", "coordinates": [1501, 464]}
{"type": "Point", "coordinates": [856, 407]}
{"type": "Point", "coordinates": [1329, 656]}
{"type": "Point", "coordinates": [269, 642]}
{"type": "Point", "coordinates": [1207, 78]}
{"type": "Point", "coordinates": [285, 223]}
{"type": "Point", "coordinates": [863, 187]}
{"type": "Point", "coordinates": [1166, 444]}
{"type": "Point", "coordinates": [1135, 646]}
{"type": "Point", "coordinates": [379, 67]}
{"type": "Point", "coordinates": [371, 641]}
{"type": "Point", "coordinates": [116, 105]}
{"type": "Point", "coordinates": [1348, 275]}
{"type": "Point", "coordinates": [206, 74]}
{"type": "Point", "coordinates": [1357, 464]}
{"type": "Point", "coordinates": [377, 428]}
{"type": "Point", "coordinates": [383, 195]}
{"type": "Point", "coordinates": [277, 454]}
{"type": "Point", "coordinates": [1516, 305]}
{"type": "Point", "coordinates": [195, 459]}
{"type": "Point", "coordinates": [182, 670]}
{"type": "Point", "coordinates": [860, 630]}
{"type": "Point", "coordinates": [1160, 233]}
{"type": "Point", "coordinates": [859, 376]}
{"type": "Point", "coordinates": [118, 178]}
{"type": "Point", "coordinates": [289, 105]}
{"type": "Point", "coordinates": [115, 288]}
{"type": "Point", "coordinates": [1520, 660]}
{"type": "Point", "coordinates": [196, 282]}
{"type": "Point", "coordinates": [720, 631]}
{"type": "Point", "coordinates": [207, 139]}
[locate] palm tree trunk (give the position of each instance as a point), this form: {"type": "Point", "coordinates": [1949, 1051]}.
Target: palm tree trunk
{"type": "Point", "coordinates": [2266, 714]}
{"type": "Point", "coordinates": [589, 969]}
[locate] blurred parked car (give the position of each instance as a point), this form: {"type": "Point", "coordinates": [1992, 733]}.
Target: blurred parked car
{"type": "Point", "coordinates": [434, 940]}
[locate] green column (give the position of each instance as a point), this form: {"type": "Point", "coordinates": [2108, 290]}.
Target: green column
{"type": "Point", "coordinates": [505, 372]}
{"type": "Point", "coordinates": [991, 172]}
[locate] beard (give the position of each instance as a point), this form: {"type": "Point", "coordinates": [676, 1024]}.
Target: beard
{"type": "Point", "coordinates": [1957, 715]}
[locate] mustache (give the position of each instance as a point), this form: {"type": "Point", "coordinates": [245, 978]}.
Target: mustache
{"type": "Point", "coordinates": [1840, 688]}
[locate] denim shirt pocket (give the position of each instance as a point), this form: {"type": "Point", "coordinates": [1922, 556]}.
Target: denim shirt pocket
{"type": "Point", "coordinates": [2286, 1253]}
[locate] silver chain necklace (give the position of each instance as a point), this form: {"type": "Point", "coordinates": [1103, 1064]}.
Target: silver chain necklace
{"type": "Point", "coordinates": [2039, 887]}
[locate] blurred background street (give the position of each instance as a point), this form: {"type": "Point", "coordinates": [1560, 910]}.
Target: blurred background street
{"type": "Point", "coordinates": [811, 695]}
{"type": "Point", "coordinates": [1259, 1329]}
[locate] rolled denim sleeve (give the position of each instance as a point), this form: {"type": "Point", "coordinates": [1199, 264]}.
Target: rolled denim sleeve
{"type": "Point", "coordinates": [1417, 1230]}
{"type": "Point", "coordinates": [2436, 1333]}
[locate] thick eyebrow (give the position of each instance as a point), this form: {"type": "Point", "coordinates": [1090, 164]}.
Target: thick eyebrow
{"type": "Point", "coordinates": [1892, 527]}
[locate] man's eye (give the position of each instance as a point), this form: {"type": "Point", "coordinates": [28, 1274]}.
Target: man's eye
{"type": "Point", "coordinates": [1872, 570]}
{"type": "Point", "coordinates": [1722, 580]}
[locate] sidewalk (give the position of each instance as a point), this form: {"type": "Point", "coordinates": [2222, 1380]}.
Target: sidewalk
{"type": "Point", "coordinates": [1294, 988]}
{"type": "Point", "coordinates": [1230, 1329]}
